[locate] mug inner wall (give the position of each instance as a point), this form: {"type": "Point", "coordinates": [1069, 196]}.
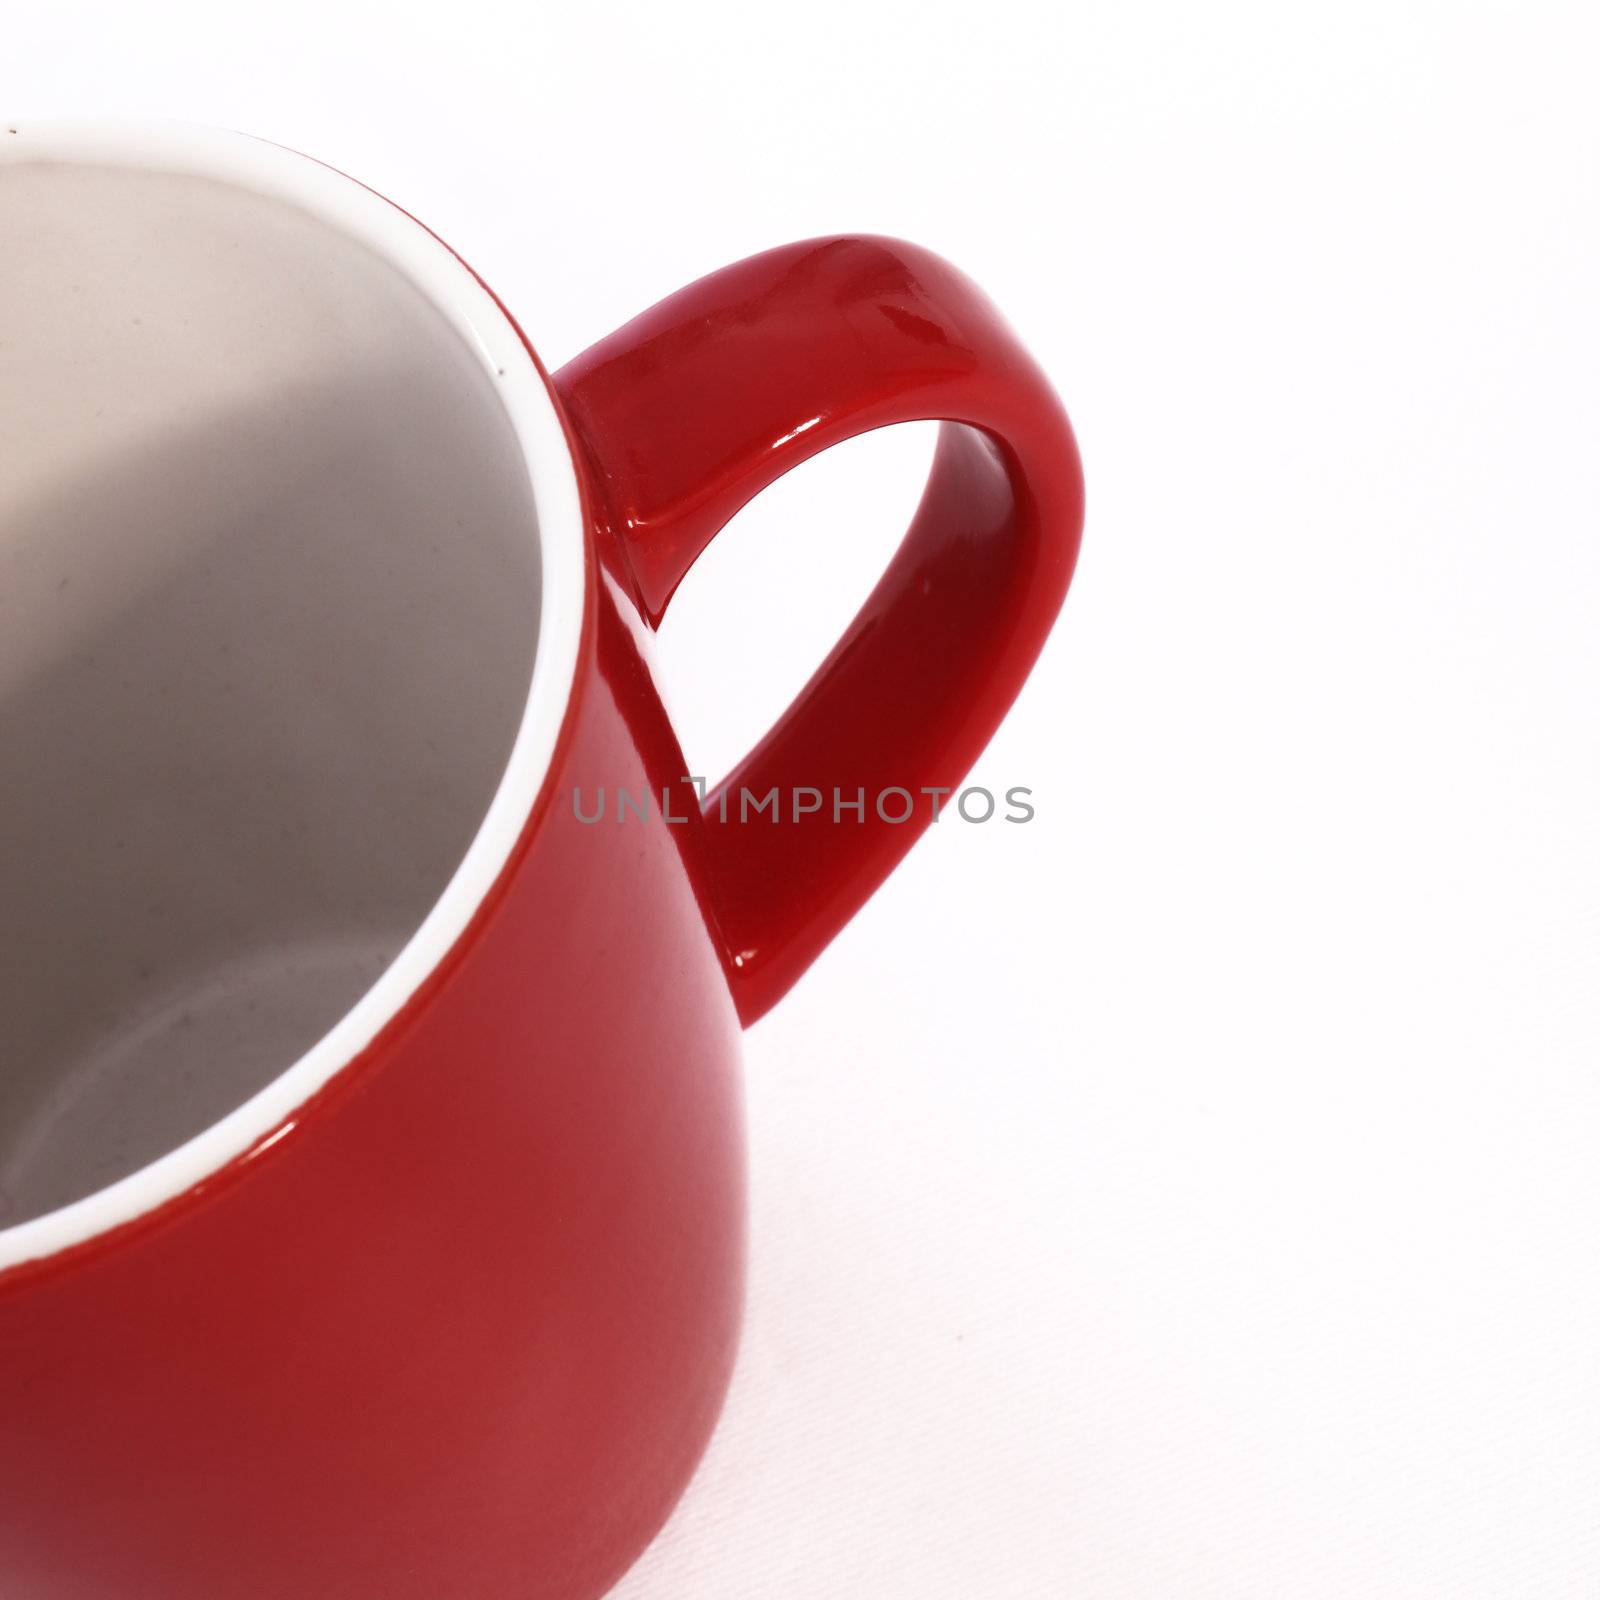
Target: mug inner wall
{"type": "Point", "coordinates": [269, 590]}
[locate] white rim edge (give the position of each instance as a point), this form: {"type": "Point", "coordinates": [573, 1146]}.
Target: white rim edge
{"type": "Point", "coordinates": [450, 286]}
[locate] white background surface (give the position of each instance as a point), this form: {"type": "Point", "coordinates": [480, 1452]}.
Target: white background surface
{"type": "Point", "coordinates": [1193, 1192]}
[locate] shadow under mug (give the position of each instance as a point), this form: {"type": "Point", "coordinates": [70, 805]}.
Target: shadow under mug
{"type": "Point", "coordinates": [371, 1183]}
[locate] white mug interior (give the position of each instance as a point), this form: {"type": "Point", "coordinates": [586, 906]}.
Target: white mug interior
{"type": "Point", "coordinates": [277, 502]}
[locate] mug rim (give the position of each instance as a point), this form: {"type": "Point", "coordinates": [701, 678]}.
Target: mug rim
{"type": "Point", "coordinates": [485, 326]}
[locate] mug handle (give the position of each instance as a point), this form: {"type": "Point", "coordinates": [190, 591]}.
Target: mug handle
{"type": "Point", "coordinates": [694, 407]}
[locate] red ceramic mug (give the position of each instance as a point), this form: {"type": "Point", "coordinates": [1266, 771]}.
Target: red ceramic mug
{"type": "Point", "coordinates": [369, 1122]}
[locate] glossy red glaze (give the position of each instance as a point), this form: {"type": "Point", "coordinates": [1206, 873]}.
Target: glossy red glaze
{"type": "Point", "coordinates": [462, 1327]}
{"type": "Point", "coordinates": [696, 406]}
